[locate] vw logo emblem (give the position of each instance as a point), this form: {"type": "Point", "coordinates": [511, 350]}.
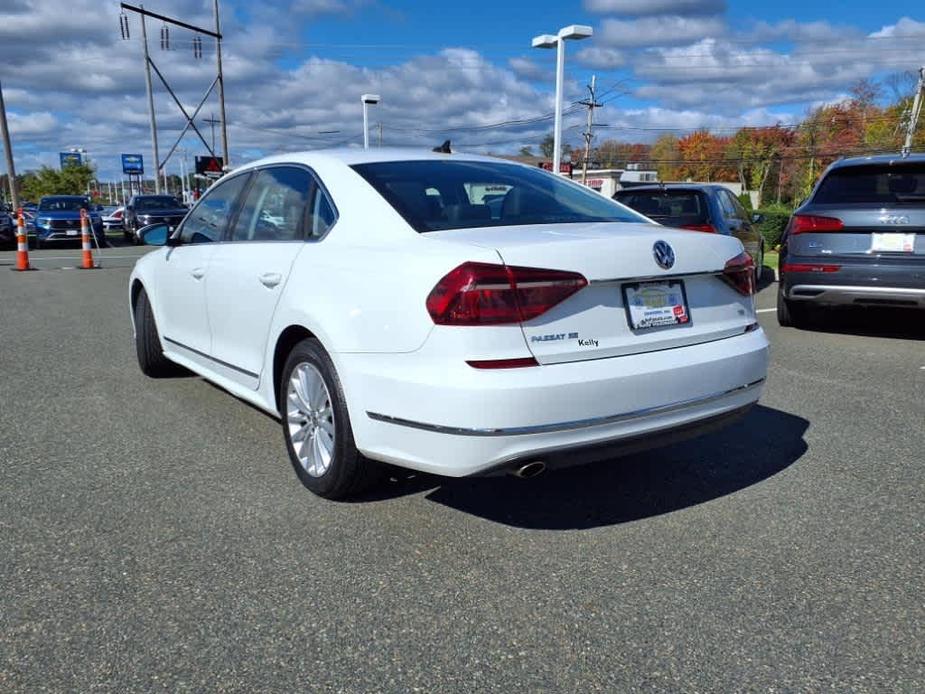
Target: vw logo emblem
{"type": "Point", "coordinates": [663, 254]}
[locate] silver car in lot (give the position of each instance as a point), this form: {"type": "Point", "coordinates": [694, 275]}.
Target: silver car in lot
{"type": "Point", "coordinates": [859, 240]}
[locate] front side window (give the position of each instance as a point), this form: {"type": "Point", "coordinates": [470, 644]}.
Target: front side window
{"type": "Point", "coordinates": [436, 195]}
{"type": "Point", "coordinates": [207, 221]}
{"type": "Point", "coordinates": [275, 206]}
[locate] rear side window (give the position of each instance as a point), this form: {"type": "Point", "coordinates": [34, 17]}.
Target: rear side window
{"type": "Point", "coordinates": [458, 194]}
{"type": "Point", "coordinates": [673, 207]}
{"type": "Point", "coordinates": [895, 184]}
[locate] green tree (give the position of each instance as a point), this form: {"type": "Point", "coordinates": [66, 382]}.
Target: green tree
{"type": "Point", "coordinates": [71, 180]}
{"type": "Point", "coordinates": [666, 156]}
{"type": "Point", "coordinates": [548, 145]}
{"type": "Point", "coordinates": [526, 151]}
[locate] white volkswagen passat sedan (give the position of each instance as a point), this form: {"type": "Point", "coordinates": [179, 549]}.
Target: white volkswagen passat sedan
{"type": "Point", "coordinates": [448, 313]}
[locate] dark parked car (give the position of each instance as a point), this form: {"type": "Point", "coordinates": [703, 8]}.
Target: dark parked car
{"type": "Point", "coordinates": [859, 240]}
{"type": "Point", "coordinates": [143, 210]}
{"type": "Point", "coordinates": [7, 229]}
{"type": "Point", "coordinates": [708, 208]}
{"type": "Point", "coordinates": [58, 219]}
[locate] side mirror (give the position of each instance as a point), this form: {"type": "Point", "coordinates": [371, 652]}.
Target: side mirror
{"type": "Point", "coordinates": [154, 234]}
{"type": "Point", "coordinates": [757, 218]}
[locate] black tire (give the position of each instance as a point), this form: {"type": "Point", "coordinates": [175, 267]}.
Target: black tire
{"type": "Point", "coordinates": [151, 357]}
{"type": "Point", "coordinates": [348, 473]}
{"type": "Point", "coordinates": [126, 234]}
{"type": "Point", "coordinates": [791, 314]}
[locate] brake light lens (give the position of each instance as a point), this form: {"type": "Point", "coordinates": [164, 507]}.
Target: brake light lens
{"type": "Point", "coordinates": [805, 223]}
{"type": "Point", "coordinates": [810, 267]}
{"type": "Point", "coordinates": [502, 363]}
{"type": "Point", "coordinates": [488, 294]}
{"type": "Point", "coordinates": [739, 273]}
{"type": "Point", "coordinates": [700, 227]}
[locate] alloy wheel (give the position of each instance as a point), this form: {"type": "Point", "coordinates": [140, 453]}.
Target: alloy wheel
{"type": "Point", "coordinates": [310, 419]}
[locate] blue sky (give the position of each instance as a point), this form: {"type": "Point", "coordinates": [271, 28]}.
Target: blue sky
{"type": "Point", "coordinates": [295, 70]}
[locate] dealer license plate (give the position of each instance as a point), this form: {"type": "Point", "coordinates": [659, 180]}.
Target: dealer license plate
{"type": "Point", "coordinates": [656, 304]}
{"type": "Point", "coordinates": [892, 243]}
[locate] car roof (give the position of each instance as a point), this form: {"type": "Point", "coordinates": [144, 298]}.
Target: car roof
{"type": "Point", "coordinates": [650, 187]}
{"type": "Point", "coordinates": [353, 155]}
{"type": "Point", "coordinates": [64, 197]}
{"type": "Point", "coordinates": [882, 159]}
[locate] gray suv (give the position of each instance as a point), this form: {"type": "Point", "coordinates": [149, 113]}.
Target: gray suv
{"type": "Point", "coordinates": [859, 240]}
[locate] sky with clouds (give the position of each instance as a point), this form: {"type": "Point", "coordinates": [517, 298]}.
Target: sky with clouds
{"type": "Point", "coordinates": [295, 69]}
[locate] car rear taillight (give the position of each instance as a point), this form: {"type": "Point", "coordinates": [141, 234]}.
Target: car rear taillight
{"type": "Point", "coordinates": [805, 223]}
{"type": "Point", "coordinates": [739, 273]}
{"type": "Point", "coordinates": [488, 294]}
{"type": "Point", "coordinates": [502, 363]}
{"type": "Point", "coordinates": [809, 267]}
{"type": "Point", "coordinates": [700, 227]}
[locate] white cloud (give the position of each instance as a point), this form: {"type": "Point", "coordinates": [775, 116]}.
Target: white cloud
{"type": "Point", "coordinates": [529, 70]}
{"type": "Point", "coordinates": [601, 58]}
{"type": "Point", "coordinates": [640, 8]}
{"type": "Point", "coordinates": [657, 31]}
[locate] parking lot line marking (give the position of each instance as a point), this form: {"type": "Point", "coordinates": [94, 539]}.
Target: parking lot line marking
{"type": "Point", "coordinates": [765, 310]}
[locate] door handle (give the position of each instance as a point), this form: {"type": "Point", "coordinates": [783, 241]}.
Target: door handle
{"type": "Point", "coordinates": [198, 273]}
{"type": "Point", "coordinates": [270, 279]}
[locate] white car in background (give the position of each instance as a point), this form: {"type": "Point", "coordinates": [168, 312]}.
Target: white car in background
{"type": "Point", "coordinates": [385, 311]}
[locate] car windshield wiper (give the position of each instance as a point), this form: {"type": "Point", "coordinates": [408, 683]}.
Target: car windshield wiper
{"type": "Point", "coordinates": [910, 197]}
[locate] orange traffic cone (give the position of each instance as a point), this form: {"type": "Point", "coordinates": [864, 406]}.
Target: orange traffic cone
{"type": "Point", "coordinates": [87, 262]}
{"type": "Point", "coordinates": [22, 244]}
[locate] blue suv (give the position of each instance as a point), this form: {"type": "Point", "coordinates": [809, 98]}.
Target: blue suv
{"type": "Point", "coordinates": [58, 219]}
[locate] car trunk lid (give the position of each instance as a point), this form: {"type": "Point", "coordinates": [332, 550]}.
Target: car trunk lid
{"type": "Point", "coordinates": [618, 260]}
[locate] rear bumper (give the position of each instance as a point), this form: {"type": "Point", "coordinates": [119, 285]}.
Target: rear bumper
{"type": "Point", "coordinates": [883, 280]}
{"type": "Point", "coordinates": [847, 295]}
{"type": "Point", "coordinates": [453, 420]}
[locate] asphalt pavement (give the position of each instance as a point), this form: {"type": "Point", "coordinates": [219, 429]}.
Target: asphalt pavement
{"type": "Point", "coordinates": [153, 535]}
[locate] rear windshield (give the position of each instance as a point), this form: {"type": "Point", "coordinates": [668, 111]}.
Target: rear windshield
{"type": "Point", "coordinates": [437, 195]}
{"type": "Point", "coordinates": [672, 207]}
{"type": "Point", "coordinates": [160, 202]}
{"type": "Point", "coordinates": [63, 204]}
{"type": "Point", "coordinates": [891, 184]}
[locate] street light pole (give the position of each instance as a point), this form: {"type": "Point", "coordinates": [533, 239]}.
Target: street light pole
{"type": "Point", "coordinates": [575, 32]}
{"type": "Point", "coordinates": [8, 148]}
{"type": "Point", "coordinates": [367, 99]}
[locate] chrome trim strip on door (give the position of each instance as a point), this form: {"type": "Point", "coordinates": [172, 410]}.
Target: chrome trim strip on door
{"type": "Point", "coordinates": [566, 426]}
{"type": "Point", "coordinates": [206, 356]}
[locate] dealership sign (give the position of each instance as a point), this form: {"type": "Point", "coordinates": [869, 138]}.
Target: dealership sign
{"type": "Point", "coordinates": [70, 159]}
{"type": "Point", "coordinates": [133, 164]}
{"type": "Point", "coordinates": [565, 167]}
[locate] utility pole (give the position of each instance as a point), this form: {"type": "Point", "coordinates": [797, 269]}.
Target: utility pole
{"type": "Point", "coordinates": [212, 122]}
{"type": "Point", "coordinates": [8, 148]}
{"type": "Point", "coordinates": [157, 163]}
{"type": "Point", "coordinates": [221, 86]}
{"type": "Point", "coordinates": [914, 116]}
{"type": "Point", "coordinates": [149, 66]}
{"type": "Point", "coordinates": [588, 135]}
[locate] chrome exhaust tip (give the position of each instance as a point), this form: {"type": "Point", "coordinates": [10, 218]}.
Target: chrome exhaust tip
{"type": "Point", "coordinates": [528, 470]}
